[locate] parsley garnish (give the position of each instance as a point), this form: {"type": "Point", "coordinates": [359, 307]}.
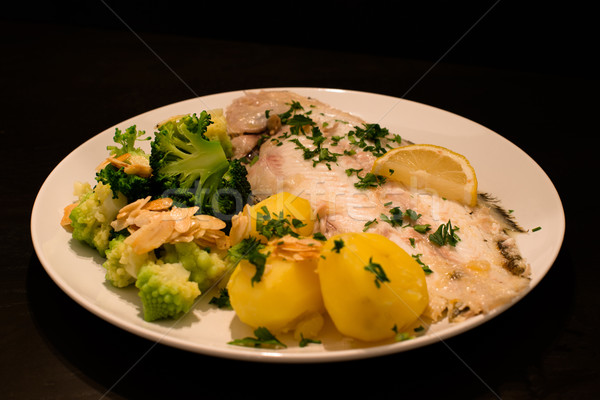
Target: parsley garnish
{"type": "Point", "coordinates": [319, 236]}
{"type": "Point", "coordinates": [338, 245]}
{"type": "Point", "coordinates": [401, 336]}
{"type": "Point", "coordinates": [424, 266]}
{"type": "Point", "coordinates": [445, 234]}
{"type": "Point", "coordinates": [369, 180]}
{"type": "Point", "coordinates": [250, 249]}
{"type": "Point", "coordinates": [306, 341]}
{"type": "Point", "coordinates": [377, 269]}
{"type": "Point", "coordinates": [264, 339]}
{"type": "Point", "coordinates": [273, 225]}
{"type": "Point", "coordinates": [369, 223]}
{"type": "Point", "coordinates": [222, 301]}
{"type": "Point", "coordinates": [396, 217]}
{"type": "Point", "coordinates": [422, 228]}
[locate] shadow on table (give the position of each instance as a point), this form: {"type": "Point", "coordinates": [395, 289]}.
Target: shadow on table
{"type": "Point", "coordinates": [502, 356]}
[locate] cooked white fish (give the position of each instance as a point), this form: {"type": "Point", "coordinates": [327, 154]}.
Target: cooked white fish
{"type": "Point", "coordinates": [481, 272]}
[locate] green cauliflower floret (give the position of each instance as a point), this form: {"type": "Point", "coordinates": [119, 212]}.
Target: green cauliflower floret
{"type": "Point", "coordinates": [205, 267]}
{"type": "Point", "coordinates": [92, 216]}
{"type": "Point", "coordinates": [165, 290]}
{"type": "Point", "coordinates": [122, 263]}
{"type": "Point", "coordinates": [218, 131]}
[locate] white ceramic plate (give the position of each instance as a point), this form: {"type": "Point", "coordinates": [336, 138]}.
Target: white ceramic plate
{"type": "Point", "coordinates": [502, 169]}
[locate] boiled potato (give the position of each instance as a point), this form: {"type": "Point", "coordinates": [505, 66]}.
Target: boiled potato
{"type": "Point", "coordinates": [287, 295]}
{"type": "Point", "coordinates": [370, 286]}
{"type": "Point", "coordinates": [292, 206]}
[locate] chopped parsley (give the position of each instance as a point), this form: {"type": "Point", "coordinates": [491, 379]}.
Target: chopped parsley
{"type": "Point", "coordinates": [222, 301]}
{"type": "Point", "coordinates": [306, 341]}
{"type": "Point", "coordinates": [370, 180]}
{"type": "Point", "coordinates": [395, 218]}
{"type": "Point", "coordinates": [369, 223]}
{"type": "Point", "coordinates": [422, 228]}
{"type": "Point", "coordinates": [401, 336]}
{"type": "Point", "coordinates": [338, 245]}
{"type": "Point", "coordinates": [377, 269]}
{"type": "Point", "coordinates": [319, 236]}
{"type": "Point", "coordinates": [275, 225]}
{"type": "Point", "coordinates": [264, 339]}
{"type": "Point", "coordinates": [250, 249]}
{"type": "Point", "coordinates": [424, 266]}
{"type": "Point", "coordinates": [536, 229]}
{"type": "Point", "coordinates": [445, 234]}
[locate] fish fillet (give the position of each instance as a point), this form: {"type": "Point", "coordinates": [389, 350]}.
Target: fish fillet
{"type": "Point", "coordinates": [482, 272]}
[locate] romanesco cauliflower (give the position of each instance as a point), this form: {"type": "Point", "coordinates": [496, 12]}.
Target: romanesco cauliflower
{"type": "Point", "coordinates": [205, 268]}
{"type": "Point", "coordinates": [91, 218]}
{"type": "Point", "coordinates": [122, 263]}
{"type": "Point", "coordinates": [165, 290]}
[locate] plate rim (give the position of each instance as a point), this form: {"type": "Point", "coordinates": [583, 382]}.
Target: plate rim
{"type": "Point", "coordinates": [262, 355]}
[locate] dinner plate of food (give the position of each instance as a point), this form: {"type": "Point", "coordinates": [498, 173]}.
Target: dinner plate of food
{"type": "Point", "coordinates": [297, 224]}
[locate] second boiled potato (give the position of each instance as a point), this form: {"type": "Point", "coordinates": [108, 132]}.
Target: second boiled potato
{"type": "Point", "coordinates": [371, 287]}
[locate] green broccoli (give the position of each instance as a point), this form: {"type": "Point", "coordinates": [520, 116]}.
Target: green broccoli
{"type": "Point", "coordinates": [205, 267]}
{"type": "Point", "coordinates": [165, 290]}
{"type": "Point", "coordinates": [122, 263]}
{"type": "Point", "coordinates": [130, 185]}
{"type": "Point", "coordinates": [127, 140]}
{"type": "Point", "coordinates": [194, 170]}
{"type": "Point", "coordinates": [186, 165]}
{"type": "Point", "coordinates": [92, 216]}
{"type": "Point", "coordinates": [234, 191]}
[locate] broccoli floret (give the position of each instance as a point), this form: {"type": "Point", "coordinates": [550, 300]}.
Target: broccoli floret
{"type": "Point", "coordinates": [130, 185]}
{"type": "Point", "coordinates": [125, 142]}
{"type": "Point", "coordinates": [205, 267]}
{"type": "Point", "coordinates": [234, 191]}
{"type": "Point", "coordinates": [165, 290]}
{"type": "Point", "coordinates": [92, 216]}
{"type": "Point", "coordinates": [122, 263]}
{"type": "Point", "coordinates": [186, 165]}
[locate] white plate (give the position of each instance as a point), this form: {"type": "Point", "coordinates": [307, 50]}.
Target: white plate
{"type": "Point", "coordinates": [502, 169]}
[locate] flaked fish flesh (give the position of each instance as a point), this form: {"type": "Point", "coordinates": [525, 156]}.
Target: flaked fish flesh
{"type": "Point", "coordinates": [480, 272]}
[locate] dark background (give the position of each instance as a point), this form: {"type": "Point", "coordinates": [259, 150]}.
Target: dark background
{"type": "Point", "coordinates": [527, 70]}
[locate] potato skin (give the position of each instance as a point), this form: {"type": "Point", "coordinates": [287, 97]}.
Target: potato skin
{"type": "Point", "coordinates": [287, 293]}
{"type": "Point", "coordinates": [357, 306]}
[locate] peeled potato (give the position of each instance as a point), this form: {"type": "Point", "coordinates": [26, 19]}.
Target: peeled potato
{"type": "Point", "coordinates": [292, 206]}
{"type": "Point", "coordinates": [360, 305]}
{"type": "Point", "coordinates": [288, 294]}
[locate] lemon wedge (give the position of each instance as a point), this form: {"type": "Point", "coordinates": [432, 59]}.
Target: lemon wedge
{"type": "Point", "coordinates": [432, 168]}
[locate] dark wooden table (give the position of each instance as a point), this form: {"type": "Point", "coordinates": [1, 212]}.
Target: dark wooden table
{"type": "Point", "coordinates": [63, 82]}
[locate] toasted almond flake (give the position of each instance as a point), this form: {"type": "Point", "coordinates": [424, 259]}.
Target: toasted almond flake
{"type": "Point", "coordinates": [209, 222]}
{"type": "Point", "coordinates": [291, 248]}
{"type": "Point", "coordinates": [240, 225]}
{"type": "Point", "coordinates": [150, 236]}
{"type": "Point", "coordinates": [65, 221]}
{"type": "Point", "coordinates": [161, 204]}
{"type": "Point", "coordinates": [143, 171]}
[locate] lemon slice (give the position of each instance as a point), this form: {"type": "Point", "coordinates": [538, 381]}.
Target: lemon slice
{"type": "Point", "coordinates": [431, 168]}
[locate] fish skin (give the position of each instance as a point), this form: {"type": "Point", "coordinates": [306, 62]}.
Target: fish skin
{"type": "Point", "coordinates": [482, 272]}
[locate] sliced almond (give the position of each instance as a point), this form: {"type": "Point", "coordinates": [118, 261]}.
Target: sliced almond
{"type": "Point", "coordinates": [161, 204]}
{"type": "Point", "coordinates": [65, 221]}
